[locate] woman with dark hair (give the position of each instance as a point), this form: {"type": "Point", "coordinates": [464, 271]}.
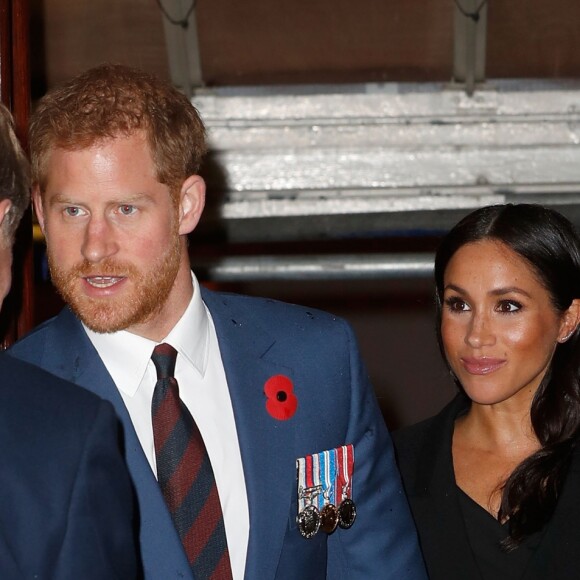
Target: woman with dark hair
{"type": "Point", "coordinates": [494, 479]}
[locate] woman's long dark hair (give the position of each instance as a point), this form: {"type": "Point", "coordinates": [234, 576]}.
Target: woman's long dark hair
{"type": "Point", "coordinates": [551, 246]}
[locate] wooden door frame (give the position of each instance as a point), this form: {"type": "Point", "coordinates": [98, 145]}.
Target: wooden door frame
{"type": "Point", "coordinates": [18, 310]}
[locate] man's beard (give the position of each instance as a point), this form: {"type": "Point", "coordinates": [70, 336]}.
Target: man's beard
{"type": "Point", "coordinates": [149, 292]}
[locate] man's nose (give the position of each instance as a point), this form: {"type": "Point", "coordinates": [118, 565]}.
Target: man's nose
{"type": "Point", "coordinates": [99, 240]}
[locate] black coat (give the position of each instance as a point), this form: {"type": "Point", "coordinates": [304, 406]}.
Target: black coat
{"type": "Point", "coordinates": [426, 465]}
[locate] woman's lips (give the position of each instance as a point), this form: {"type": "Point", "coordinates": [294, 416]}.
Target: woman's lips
{"type": "Point", "coordinates": [482, 366]}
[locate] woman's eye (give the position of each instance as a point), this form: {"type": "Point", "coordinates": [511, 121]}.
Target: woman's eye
{"type": "Point", "coordinates": [509, 306]}
{"type": "Point", "coordinates": [456, 304]}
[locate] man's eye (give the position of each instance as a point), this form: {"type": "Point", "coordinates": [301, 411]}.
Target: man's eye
{"type": "Point", "coordinates": [127, 209]}
{"type": "Point", "coordinates": [72, 211]}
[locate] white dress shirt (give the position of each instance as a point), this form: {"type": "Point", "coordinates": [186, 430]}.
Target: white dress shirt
{"type": "Point", "coordinates": [203, 388]}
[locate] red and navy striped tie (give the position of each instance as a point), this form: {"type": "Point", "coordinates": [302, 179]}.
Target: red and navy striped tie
{"type": "Point", "coordinates": [185, 475]}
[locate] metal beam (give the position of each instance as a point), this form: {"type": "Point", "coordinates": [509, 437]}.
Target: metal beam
{"type": "Point", "coordinates": [293, 163]}
{"type": "Point", "coordinates": [337, 267]}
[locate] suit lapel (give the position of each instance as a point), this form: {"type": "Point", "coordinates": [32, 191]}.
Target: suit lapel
{"type": "Point", "coordinates": [70, 354]}
{"type": "Point", "coordinates": [267, 445]}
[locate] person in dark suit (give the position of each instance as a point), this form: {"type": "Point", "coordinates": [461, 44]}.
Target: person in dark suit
{"type": "Point", "coordinates": [65, 495]}
{"type": "Point", "coordinates": [493, 480]}
{"type": "Point", "coordinates": [278, 393]}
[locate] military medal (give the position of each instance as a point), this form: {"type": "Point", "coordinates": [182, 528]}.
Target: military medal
{"type": "Point", "coordinates": [325, 482]}
{"type": "Point", "coordinates": [309, 488]}
{"type": "Point", "coordinates": [346, 513]}
{"type": "Point", "coordinates": [328, 518]}
{"type": "Point", "coordinates": [345, 468]}
{"type": "Point", "coordinates": [308, 521]}
{"type": "Point", "coordinates": [328, 511]}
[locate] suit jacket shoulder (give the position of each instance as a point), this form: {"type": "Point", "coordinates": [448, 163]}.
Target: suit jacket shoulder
{"type": "Point", "coordinates": [282, 319]}
{"type": "Point", "coordinates": [60, 468]}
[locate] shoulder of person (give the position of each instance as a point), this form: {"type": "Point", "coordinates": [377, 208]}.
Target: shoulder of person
{"type": "Point", "coordinates": [31, 346]}
{"type": "Point", "coordinates": [409, 440]}
{"type": "Point", "coordinates": [30, 387]}
{"type": "Point", "coordinates": [270, 309]}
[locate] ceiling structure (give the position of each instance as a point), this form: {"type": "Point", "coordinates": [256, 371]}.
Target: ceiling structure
{"type": "Point", "coordinates": [311, 41]}
{"type": "Point", "coordinates": [333, 120]}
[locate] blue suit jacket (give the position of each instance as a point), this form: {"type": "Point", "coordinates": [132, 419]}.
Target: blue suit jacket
{"type": "Point", "coordinates": [336, 405]}
{"type": "Point", "coordinates": [65, 495]}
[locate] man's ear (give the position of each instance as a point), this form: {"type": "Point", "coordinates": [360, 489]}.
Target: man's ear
{"type": "Point", "coordinates": [191, 203]}
{"type": "Point", "coordinates": [37, 204]}
{"type": "Point", "coordinates": [570, 321]}
{"type": "Point", "coordinates": [5, 206]}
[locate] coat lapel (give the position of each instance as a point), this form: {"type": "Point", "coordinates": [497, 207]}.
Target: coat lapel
{"type": "Point", "coordinates": [70, 354]}
{"type": "Point", "coordinates": [267, 445]}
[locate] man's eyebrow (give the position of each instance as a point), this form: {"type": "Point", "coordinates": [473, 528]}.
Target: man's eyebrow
{"type": "Point", "coordinates": [60, 199]}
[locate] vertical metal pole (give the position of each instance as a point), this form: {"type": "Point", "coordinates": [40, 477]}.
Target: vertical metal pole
{"type": "Point", "coordinates": [182, 47]}
{"type": "Point", "coordinates": [469, 43]}
{"type": "Point", "coordinates": [470, 55]}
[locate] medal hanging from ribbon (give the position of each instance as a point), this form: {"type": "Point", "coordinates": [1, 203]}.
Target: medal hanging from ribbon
{"type": "Point", "coordinates": [328, 509]}
{"type": "Point", "coordinates": [309, 489]}
{"type": "Point", "coordinates": [325, 482]}
{"type": "Point", "coordinates": [345, 470]}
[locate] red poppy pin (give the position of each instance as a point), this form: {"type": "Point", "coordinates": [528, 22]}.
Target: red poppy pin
{"type": "Point", "coordinates": [281, 402]}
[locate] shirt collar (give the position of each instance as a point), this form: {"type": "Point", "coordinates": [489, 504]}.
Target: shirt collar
{"type": "Point", "coordinates": [126, 355]}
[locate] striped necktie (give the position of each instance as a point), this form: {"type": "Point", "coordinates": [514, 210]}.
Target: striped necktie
{"type": "Point", "coordinates": [185, 475]}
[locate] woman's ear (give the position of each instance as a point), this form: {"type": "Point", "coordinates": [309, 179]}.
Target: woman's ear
{"type": "Point", "coordinates": [191, 203]}
{"type": "Point", "coordinates": [570, 321]}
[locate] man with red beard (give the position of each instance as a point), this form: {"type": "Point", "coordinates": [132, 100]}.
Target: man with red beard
{"type": "Point", "coordinates": [65, 495]}
{"type": "Point", "coordinates": [253, 437]}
